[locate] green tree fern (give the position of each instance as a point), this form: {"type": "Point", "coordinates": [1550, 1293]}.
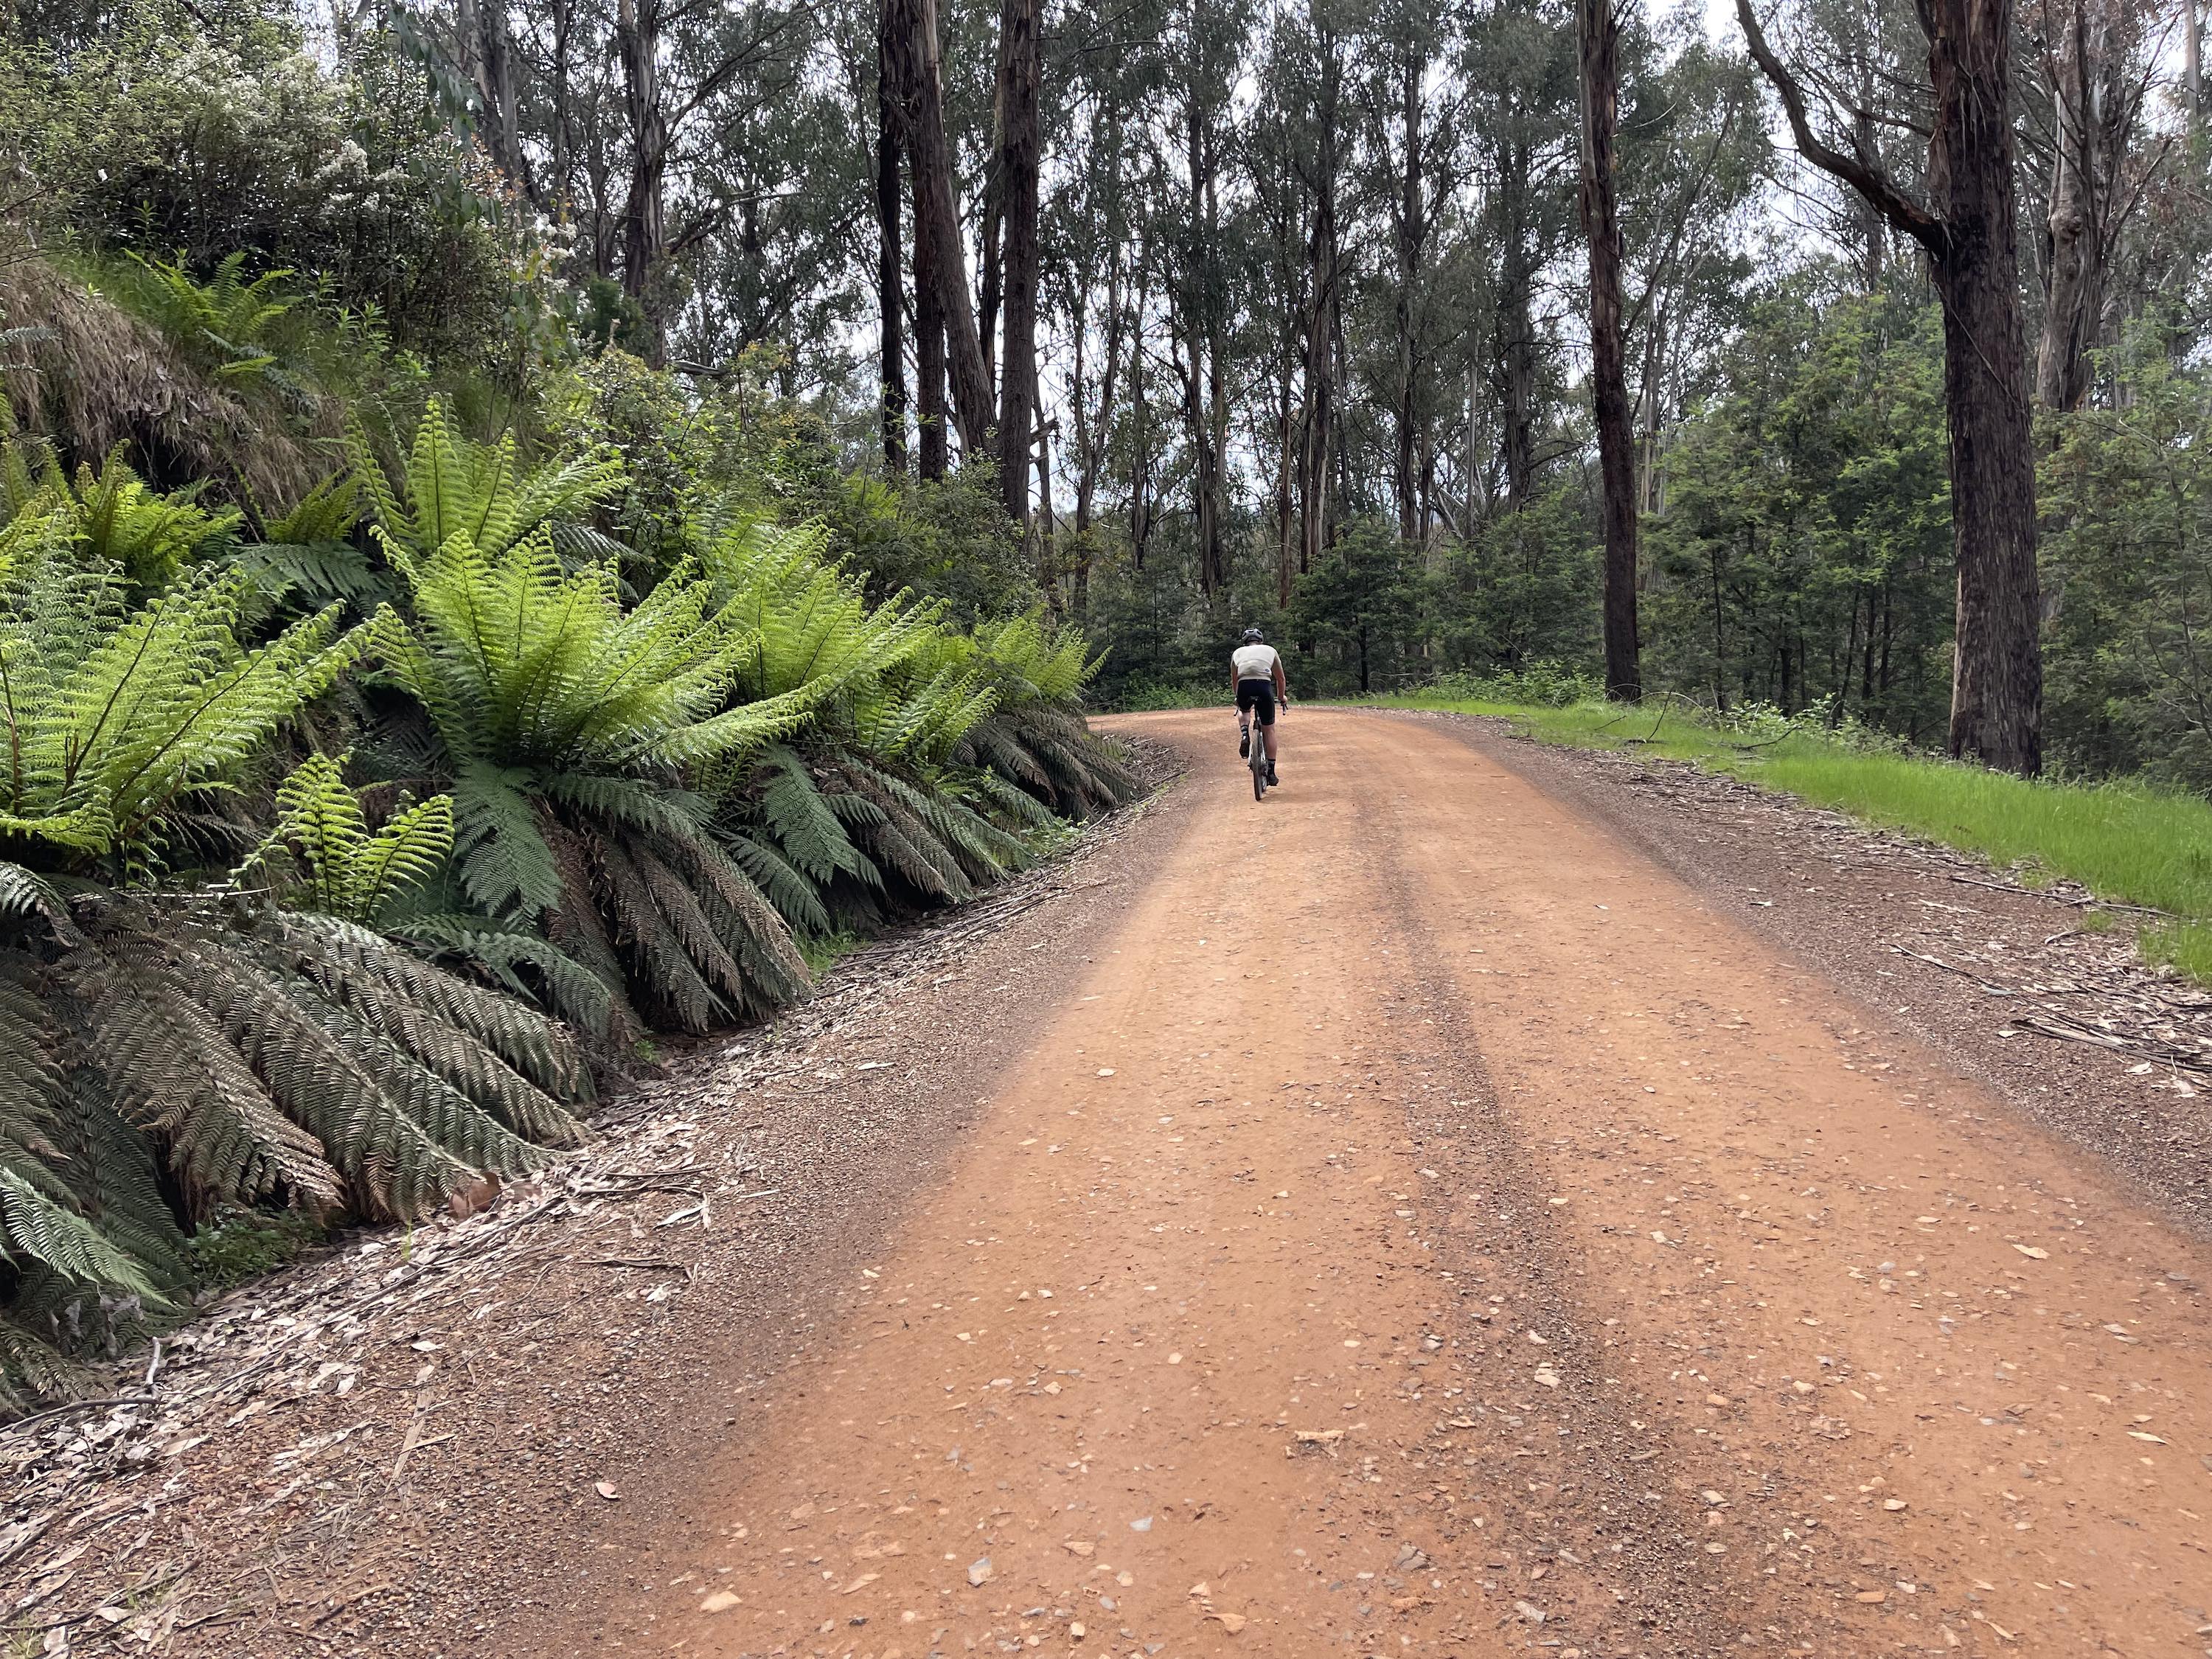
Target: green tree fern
{"type": "Point", "coordinates": [260, 1054]}
{"type": "Point", "coordinates": [570, 724]}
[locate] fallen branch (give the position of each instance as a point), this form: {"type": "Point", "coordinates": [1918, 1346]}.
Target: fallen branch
{"type": "Point", "coordinates": [79, 1406]}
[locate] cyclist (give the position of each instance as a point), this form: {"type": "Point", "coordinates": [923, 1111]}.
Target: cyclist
{"type": "Point", "coordinates": [1255, 669]}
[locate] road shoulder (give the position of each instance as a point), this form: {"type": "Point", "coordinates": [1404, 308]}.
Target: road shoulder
{"type": "Point", "coordinates": [1986, 975]}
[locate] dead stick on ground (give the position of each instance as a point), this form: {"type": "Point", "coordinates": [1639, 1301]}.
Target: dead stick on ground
{"type": "Point", "coordinates": [414, 1431]}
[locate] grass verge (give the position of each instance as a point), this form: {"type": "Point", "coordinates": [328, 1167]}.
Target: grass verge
{"type": "Point", "coordinates": [2121, 842]}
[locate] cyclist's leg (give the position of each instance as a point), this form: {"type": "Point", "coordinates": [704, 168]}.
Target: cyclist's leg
{"type": "Point", "coordinates": [1267, 722]}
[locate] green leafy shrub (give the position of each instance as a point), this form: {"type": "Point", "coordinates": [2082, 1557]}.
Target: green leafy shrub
{"type": "Point", "coordinates": [1544, 684]}
{"type": "Point", "coordinates": [111, 515]}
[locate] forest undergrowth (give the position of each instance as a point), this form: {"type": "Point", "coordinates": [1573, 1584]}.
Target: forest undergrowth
{"type": "Point", "coordinates": [385, 765]}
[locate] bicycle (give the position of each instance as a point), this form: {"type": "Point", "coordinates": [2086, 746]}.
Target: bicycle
{"type": "Point", "coordinates": [1255, 747]}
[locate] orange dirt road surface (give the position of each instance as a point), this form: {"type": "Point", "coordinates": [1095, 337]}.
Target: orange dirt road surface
{"type": "Point", "coordinates": [1430, 1229]}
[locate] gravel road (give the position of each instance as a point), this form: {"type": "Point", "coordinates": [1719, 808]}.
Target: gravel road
{"type": "Point", "coordinates": [1428, 1225]}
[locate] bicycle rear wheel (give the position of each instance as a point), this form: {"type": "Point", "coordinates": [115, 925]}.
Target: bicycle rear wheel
{"type": "Point", "coordinates": [1259, 768]}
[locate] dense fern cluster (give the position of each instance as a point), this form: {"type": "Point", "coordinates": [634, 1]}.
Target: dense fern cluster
{"type": "Point", "coordinates": [342, 846]}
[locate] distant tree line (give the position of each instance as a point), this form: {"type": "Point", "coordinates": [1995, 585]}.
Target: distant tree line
{"type": "Point", "coordinates": [1447, 338]}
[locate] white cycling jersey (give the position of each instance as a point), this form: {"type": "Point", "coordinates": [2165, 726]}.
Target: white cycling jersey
{"type": "Point", "coordinates": [1255, 662]}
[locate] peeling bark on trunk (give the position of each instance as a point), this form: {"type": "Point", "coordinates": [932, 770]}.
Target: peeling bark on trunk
{"type": "Point", "coordinates": [1599, 37]}
{"type": "Point", "coordinates": [2086, 104]}
{"type": "Point", "coordinates": [904, 65]}
{"type": "Point", "coordinates": [645, 225]}
{"type": "Point", "coordinates": [1021, 67]}
{"type": "Point", "coordinates": [488, 58]}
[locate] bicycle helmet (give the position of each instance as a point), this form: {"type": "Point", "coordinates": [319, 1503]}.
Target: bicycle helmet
{"type": "Point", "coordinates": [1254, 636]}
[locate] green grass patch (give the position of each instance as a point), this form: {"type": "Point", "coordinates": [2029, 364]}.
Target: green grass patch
{"type": "Point", "coordinates": [823, 951]}
{"type": "Point", "coordinates": [2122, 842]}
{"type": "Point", "coordinates": [240, 1244]}
{"type": "Point", "coordinates": [2184, 946]}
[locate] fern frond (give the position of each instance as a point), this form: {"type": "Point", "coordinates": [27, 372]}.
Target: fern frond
{"type": "Point", "coordinates": [28, 895]}
{"type": "Point", "coordinates": [369, 971]}
{"type": "Point", "coordinates": [501, 857]}
{"type": "Point", "coordinates": [40, 1229]}
{"type": "Point", "coordinates": [33, 1370]}
{"type": "Point", "coordinates": [408, 852]}
{"type": "Point", "coordinates": [776, 970]}
{"type": "Point", "coordinates": [175, 1074]}
{"type": "Point", "coordinates": [805, 828]}
{"type": "Point", "coordinates": [667, 969]}
{"type": "Point", "coordinates": [566, 985]}
{"type": "Point", "coordinates": [792, 895]}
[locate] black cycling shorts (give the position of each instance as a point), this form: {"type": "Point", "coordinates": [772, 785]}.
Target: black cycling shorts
{"type": "Point", "coordinates": [1259, 694]}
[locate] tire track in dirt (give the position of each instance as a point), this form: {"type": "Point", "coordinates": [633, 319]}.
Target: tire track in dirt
{"type": "Point", "coordinates": [1516, 1272]}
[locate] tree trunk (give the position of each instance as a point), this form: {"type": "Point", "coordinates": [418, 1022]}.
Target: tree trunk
{"type": "Point", "coordinates": [1021, 65]}
{"type": "Point", "coordinates": [1285, 508]}
{"type": "Point", "coordinates": [1047, 527]}
{"type": "Point", "coordinates": [2082, 101]}
{"type": "Point", "coordinates": [1193, 327]}
{"type": "Point", "coordinates": [990, 266]}
{"type": "Point", "coordinates": [2192, 68]}
{"type": "Point", "coordinates": [891, 140]}
{"type": "Point", "coordinates": [932, 418]}
{"type": "Point", "coordinates": [1873, 230]}
{"type": "Point", "coordinates": [644, 226]}
{"type": "Point", "coordinates": [488, 59]}
{"type": "Point", "coordinates": [1647, 491]}
{"type": "Point", "coordinates": [1997, 687]}
{"type": "Point", "coordinates": [1217, 362]}
{"type": "Point", "coordinates": [1093, 418]}
{"type": "Point", "coordinates": [1086, 476]}
{"type": "Point", "coordinates": [936, 225]}
{"type": "Point", "coordinates": [1969, 229]}
{"type": "Point", "coordinates": [1320, 318]}
{"type": "Point", "coordinates": [1514, 348]}
{"type": "Point", "coordinates": [1140, 437]}
{"type": "Point", "coordinates": [1599, 37]}
{"type": "Point", "coordinates": [1412, 234]}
